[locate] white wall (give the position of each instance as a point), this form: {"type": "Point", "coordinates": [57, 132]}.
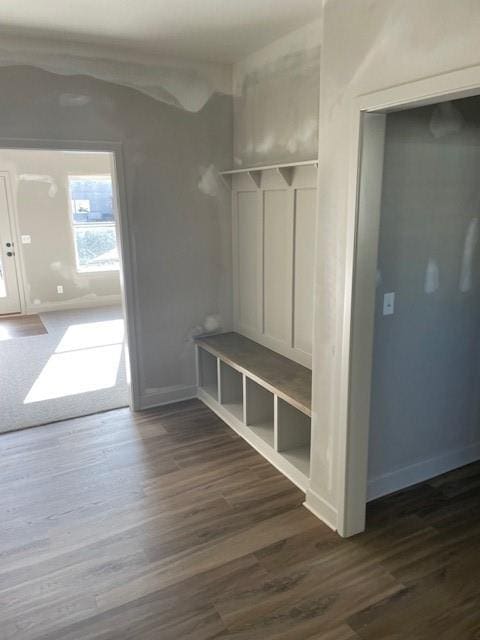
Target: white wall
{"type": "Point", "coordinates": [180, 220]}
{"type": "Point", "coordinates": [366, 47]}
{"type": "Point", "coordinates": [276, 94]}
{"type": "Point", "coordinates": [42, 209]}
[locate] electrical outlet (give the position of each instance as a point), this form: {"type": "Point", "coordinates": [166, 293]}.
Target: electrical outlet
{"type": "Point", "coordinates": [59, 288]}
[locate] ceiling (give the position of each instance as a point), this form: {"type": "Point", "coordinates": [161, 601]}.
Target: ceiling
{"type": "Point", "coordinates": [210, 30]}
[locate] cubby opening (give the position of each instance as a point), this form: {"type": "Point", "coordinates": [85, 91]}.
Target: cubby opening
{"type": "Point", "coordinates": [293, 436]}
{"type": "Point", "coordinates": [259, 411]}
{"type": "Point", "coordinates": [265, 398]}
{"type": "Point", "coordinates": [208, 371]}
{"type": "Point", "coordinates": [231, 390]}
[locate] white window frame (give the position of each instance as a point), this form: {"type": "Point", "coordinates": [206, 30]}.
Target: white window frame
{"type": "Point", "coordinates": [90, 225]}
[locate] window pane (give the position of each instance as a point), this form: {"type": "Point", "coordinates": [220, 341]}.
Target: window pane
{"type": "Point", "coordinates": [96, 248]}
{"type": "Point", "coordinates": [91, 198]}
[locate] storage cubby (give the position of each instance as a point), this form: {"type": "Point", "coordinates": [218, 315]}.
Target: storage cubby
{"type": "Point", "coordinates": [208, 372]}
{"type": "Point", "coordinates": [263, 396]}
{"type": "Point", "coordinates": [259, 411]}
{"type": "Point", "coordinates": [293, 436]}
{"type": "Point", "coordinates": [231, 390]}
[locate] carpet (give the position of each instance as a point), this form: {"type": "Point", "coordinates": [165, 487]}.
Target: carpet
{"type": "Point", "coordinates": [76, 368]}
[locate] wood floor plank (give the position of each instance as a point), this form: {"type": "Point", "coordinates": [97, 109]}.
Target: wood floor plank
{"type": "Point", "coordinates": [12, 327]}
{"type": "Point", "coordinates": [165, 524]}
{"type": "Point", "coordinates": [187, 564]}
{"type": "Point", "coordinates": [167, 609]}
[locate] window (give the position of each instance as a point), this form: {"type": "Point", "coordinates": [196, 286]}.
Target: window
{"type": "Point", "coordinates": [93, 223]}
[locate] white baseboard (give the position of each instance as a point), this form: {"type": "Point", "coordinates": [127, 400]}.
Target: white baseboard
{"type": "Point", "coordinates": [422, 470]}
{"type": "Point", "coordinates": [320, 508]}
{"type": "Point", "coordinates": [152, 398]}
{"type": "Point", "coordinates": [77, 303]}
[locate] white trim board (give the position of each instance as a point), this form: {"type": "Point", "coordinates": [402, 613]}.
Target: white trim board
{"type": "Point", "coordinates": [421, 471]}
{"type": "Point", "coordinates": [321, 509]}
{"type": "Point", "coordinates": [152, 398]}
{"type": "Point", "coordinates": [267, 167]}
{"type": "Point", "coordinates": [18, 254]}
{"type": "Point", "coordinates": [104, 301]}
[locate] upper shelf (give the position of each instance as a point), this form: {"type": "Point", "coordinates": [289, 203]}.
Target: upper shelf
{"type": "Point", "coordinates": [284, 170]}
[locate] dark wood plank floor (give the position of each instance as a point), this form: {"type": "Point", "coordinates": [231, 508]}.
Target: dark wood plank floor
{"type": "Point", "coordinates": [166, 525]}
{"type": "Point", "coordinates": [21, 327]}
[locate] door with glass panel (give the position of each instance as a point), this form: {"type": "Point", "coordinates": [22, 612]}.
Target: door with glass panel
{"type": "Point", "coordinates": [9, 290]}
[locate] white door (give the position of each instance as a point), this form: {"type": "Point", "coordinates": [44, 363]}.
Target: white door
{"type": "Point", "coordinates": [9, 290]}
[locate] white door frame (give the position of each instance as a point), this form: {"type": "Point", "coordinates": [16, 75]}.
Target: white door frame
{"type": "Point", "coordinates": [14, 238]}
{"type": "Point", "coordinates": [127, 253]}
{"type": "Point", "coordinates": [363, 220]}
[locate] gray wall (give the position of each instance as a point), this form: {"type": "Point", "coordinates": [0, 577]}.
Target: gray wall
{"type": "Point", "coordinates": [180, 230]}
{"type": "Point", "coordinates": [426, 377]}
{"type": "Point", "coordinates": [276, 100]}
{"type": "Point", "coordinates": [43, 213]}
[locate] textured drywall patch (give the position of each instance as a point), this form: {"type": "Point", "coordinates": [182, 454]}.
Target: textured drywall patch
{"type": "Point", "coordinates": [185, 85]}
{"type": "Point", "coordinates": [211, 324]}
{"type": "Point", "coordinates": [432, 277]}
{"type": "Point", "coordinates": [276, 96]}
{"type": "Point", "coordinates": [446, 119]}
{"type": "Point", "coordinates": [210, 182]}
{"type": "Point", "coordinates": [277, 110]}
{"type": "Point", "coordinates": [304, 135]}
{"type": "Point", "coordinates": [264, 146]}
{"type": "Point", "coordinates": [33, 177]}
{"type": "Point", "coordinates": [470, 244]}
{"type": "Point", "coordinates": [73, 100]}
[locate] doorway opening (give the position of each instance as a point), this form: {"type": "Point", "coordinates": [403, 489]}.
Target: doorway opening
{"type": "Point", "coordinates": [62, 325]}
{"type": "Point", "coordinates": [425, 389]}
{"type": "Point", "coordinates": [450, 129]}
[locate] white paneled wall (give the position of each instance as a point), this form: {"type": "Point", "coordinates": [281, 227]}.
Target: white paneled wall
{"type": "Point", "coordinates": [248, 263]}
{"type": "Point", "coordinates": [273, 252]}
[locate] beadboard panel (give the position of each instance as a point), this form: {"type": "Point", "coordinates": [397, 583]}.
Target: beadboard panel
{"type": "Point", "coordinates": [305, 201]}
{"type": "Point", "coordinates": [273, 250]}
{"type": "Point", "coordinates": [277, 265]}
{"type": "Point", "coordinates": [248, 237]}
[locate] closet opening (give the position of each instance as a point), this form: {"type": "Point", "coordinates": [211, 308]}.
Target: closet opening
{"type": "Point", "coordinates": [414, 390]}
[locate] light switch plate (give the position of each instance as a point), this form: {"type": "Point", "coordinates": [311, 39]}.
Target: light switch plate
{"type": "Point", "coordinates": [389, 304]}
{"type": "Point", "coordinates": [26, 239]}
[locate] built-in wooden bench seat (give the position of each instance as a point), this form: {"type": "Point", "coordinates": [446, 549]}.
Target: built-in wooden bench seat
{"type": "Point", "coordinates": [287, 379]}
{"type": "Point", "coordinates": [262, 395]}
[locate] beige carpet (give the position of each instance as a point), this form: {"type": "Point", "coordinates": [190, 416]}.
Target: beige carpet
{"type": "Point", "coordinates": [76, 368]}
